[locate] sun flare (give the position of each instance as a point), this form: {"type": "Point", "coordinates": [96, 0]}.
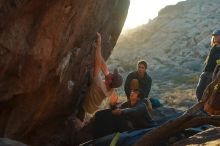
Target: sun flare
{"type": "Point", "coordinates": [141, 11]}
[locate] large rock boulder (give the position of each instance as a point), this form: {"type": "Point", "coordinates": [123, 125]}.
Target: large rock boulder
{"type": "Point", "coordinates": [46, 53]}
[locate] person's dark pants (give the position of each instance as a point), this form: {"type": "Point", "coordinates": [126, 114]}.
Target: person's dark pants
{"type": "Point", "coordinates": [106, 123]}
{"type": "Point", "coordinates": [204, 80]}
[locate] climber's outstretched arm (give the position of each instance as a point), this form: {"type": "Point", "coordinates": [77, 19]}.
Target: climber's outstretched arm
{"type": "Point", "coordinates": [99, 61]}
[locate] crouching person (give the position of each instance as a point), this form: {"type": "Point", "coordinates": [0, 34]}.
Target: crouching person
{"type": "Point", "coordinates": [135, 111]}
{"type": "Point", "coordinates": [131, 115]}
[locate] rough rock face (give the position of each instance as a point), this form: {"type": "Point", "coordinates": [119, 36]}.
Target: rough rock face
{"type": "Point", "coordinates": [175, 44]}
{"type": "Point", "coordinates": [46, 55]}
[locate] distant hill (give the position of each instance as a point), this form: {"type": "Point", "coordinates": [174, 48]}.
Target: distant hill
{"type": "Point", "coordinates": [175, 44]}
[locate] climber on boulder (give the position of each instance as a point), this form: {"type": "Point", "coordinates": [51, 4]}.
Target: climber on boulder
{"type": "Point", "coordinates": [100, 89]}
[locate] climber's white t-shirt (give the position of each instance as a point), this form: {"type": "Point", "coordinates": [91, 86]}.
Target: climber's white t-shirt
{"type": "Point", "coordinates": [95, 95]}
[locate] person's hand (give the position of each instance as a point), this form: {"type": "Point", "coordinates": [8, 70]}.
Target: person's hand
{"type": "Point", "coordinates": [117, 111]}
{"type": "Point", "coordinates": [98, 39]}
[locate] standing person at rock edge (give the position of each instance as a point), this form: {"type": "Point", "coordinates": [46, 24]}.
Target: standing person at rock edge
{"type": "Point", "coordinates": [140, 79]}
{"type": "Point", "coordinates": [212, 60]}
{"type": "Point", "coordinates": [100, 89]}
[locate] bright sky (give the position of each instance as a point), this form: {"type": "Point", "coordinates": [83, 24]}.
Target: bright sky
{"type": "Point", "coordinates": [140, 11]}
